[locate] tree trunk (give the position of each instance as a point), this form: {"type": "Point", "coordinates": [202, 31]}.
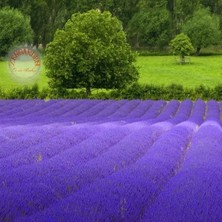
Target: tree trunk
{"type": "Point", "coordinates": [198, 51]}
{"type": "Point", "coordinates": [137, 41]}
{"type": "Point", "coordinates": [182, 59]}
{"type": "Point", "coordinates": [88, 90]}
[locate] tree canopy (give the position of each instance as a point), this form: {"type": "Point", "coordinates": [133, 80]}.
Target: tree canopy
{"type": "Point", "coordinates": [146, 28]}
{"type": "Point", "coordinates": [181, 45]}
{"type": "Point", "coordinates": [148, 23]}
{"type": "Point", "coordinates": [203, 29]}
{"type": "Point", "coordinates": [90, 52]}
{"type": "Point", "coordinates": [15, 29]}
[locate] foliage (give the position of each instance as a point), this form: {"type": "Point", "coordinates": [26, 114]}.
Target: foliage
{"type": "Point", "coordinates": [149, 28]}
{"type": "Point", "coordinates": [203, 29]}
{"type": "Point", "coordinates": [15, 29]}
{"type": "Point", "coordinates": [135, 91]}
{"type": "Point", "coordinates": [166, 17]}
{"type": "Point", "coordinates": [90, 52]}
{"type": "Point", "coordinates": [181, 45]}
{"type": "Point", "coordinates": [180, 11]}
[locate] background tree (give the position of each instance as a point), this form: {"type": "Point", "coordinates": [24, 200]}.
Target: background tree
{"type": "Point", "coordinates": [148, 23]}
{"type": "Point", "coordinates": [149, 28]}
{"type": "Point", "coordinates": [124, 10]}
{"type": "Point", "coordinates": [15, 29]}
{"type": "Point", "coordinates": [46, 17]}
{"type": "Point", "coordinates": [90, 52]}
{"type": "Point", "coordinates": [181, 45]}
{"type": "Point", "coordinates": [215, 7]}
{"type": "Point", "coordinates": [180, 11]}
{"type": "Point", "coordinates": [202, 29]}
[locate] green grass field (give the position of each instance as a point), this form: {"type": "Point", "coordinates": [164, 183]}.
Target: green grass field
{"type": "Point", "coordinates": [158, 70]}
{"type": "Point", "coordinates": [165, 70]}
{"type": "Point", "coordinates": [7, 82]}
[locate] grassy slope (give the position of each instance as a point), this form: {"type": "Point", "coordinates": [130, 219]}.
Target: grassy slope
{"type": "Point", "coordinates": [206, 70]}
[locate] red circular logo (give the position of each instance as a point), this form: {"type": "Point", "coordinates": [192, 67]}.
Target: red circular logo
{"type": "Point", "coordinates": [24, 64]}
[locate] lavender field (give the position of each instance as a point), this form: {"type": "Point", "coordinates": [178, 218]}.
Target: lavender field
{"type": "Point", "coordinates": [93, 160]}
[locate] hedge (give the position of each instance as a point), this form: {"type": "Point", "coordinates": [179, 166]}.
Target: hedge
{"type": "Point", "coordinates": [135, 91]}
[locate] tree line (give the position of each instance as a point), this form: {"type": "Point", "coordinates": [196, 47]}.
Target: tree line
{"type": "Point", "coordinates": [148, 23]}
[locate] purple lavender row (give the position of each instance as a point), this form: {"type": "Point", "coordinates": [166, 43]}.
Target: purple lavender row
{"type": "Point", "coordinates": [183, 112]}
{"type": "Point", "coordinates": [96, 109]}
{"type": "Point", "coordinates": [124, 195]}
{"type": "Point", "coordinates": [198, 112]}
{"type": "Point", "coordinates": [49, 108]}
{"type": "Point", "coordinates": [21, 110]}
{"type": "Point", "coordinates": [118, 111]}
{"type": "Point", "coordinates": [43, 107]}
{"type": "Point", "coordinates": [33, 136]}
{"type": "Point", "coordinates": [43, 145]}
{"type": "Point", "coordinates": [54, 193]}
{"type": "Point", "coordinates": [42, 110]}
{"type": "Point", "coordinates": [87, 104]}
{"type": "Point", "coordinates": [17, 107]}
{"type": "Point", "coordinates": [69, 105]}
{"type": "Point", "coordinates": [173, 112]}
{"type": "Point", "coordinates": [92, 112]}
{"type": "Point", "coordinates": [8, 106]}
{"type": "Point", "coordinates": [141, 109]}
{"type": "Point", "coordinates": [125, 109]}
{"type": "Point", "coordinates": [109, 110]}
{"type": "Point", "coordinates": [213, 111]}
{"type": "Point", "coordinates": [84, 152]}
{"type": "Point", "coordinates": [70, 142]}
{"type": "Point", "coordinates": [68, 138]}
{"type": "Point", "coordinates": [194, 194]}
{"type": "Point", "coordinates": [64, 177]}
{"type": "Point", "coordinates": [46, 109]}
{"type": "Point", "coordinates": [76, 109]}
{"type": "Point", "coordinates": [130, 105]}
{"type": "Point", "coordinates": [154, 110]}
{"type": "Point", "coordinates": [24, 116]}
{"type": "Point", "coordinates": [10, 133]}
{"type": "Point", "coordinates": [118, 114]}
{"type": "Point", "coordinates": [43, 113]}
{"type": "Point", "coordinates": [102, 114]}
{"type": "Point", "coordinates": [166, 114]}
{"type": "Point", "coordinates": [186, 116]}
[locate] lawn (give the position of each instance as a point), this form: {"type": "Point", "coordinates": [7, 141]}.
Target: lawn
{"type": "Point", "coordinates": [7, 82]}
{"type": "Point", "coordinates": [158, 70]}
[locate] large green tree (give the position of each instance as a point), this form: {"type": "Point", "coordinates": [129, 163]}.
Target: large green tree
{"type": "Point", "coordinates": [203, 29]}
{"type": "Point", "coordinates": [90, 52]}
{"type": "Point", "coordinates": [15, 29]}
